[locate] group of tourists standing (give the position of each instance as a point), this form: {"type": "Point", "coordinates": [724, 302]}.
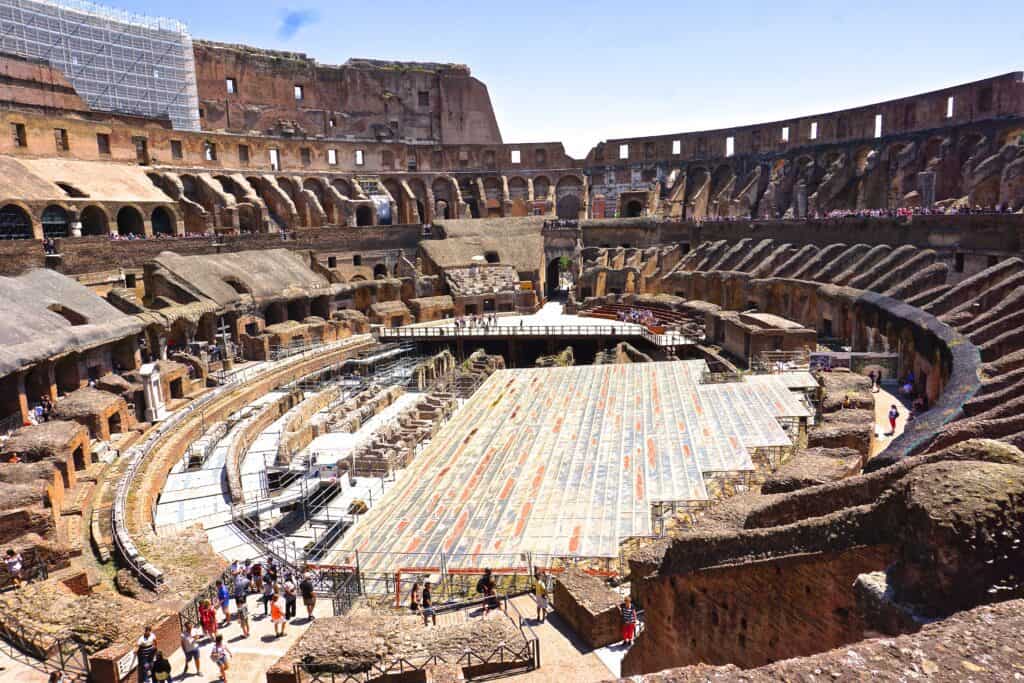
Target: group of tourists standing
{"type": "Point", "coordinates": [278, 592]}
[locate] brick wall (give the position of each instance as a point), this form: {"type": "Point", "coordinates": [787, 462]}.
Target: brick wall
{"type": "Point", "coordinates": [93, 254]}
{"type": "Point", "coordinates": [752, 614]}
{"type": "Point", "coordinates": [590, 607]}
{"type": "Point", "coordinates": [103, 664]}
{"type": "Point", "coordinates": [982, 232]}
{"type": "Point", "coordinates": [917, 113]}
{"type": "Point", "coordinates": [17, 256]}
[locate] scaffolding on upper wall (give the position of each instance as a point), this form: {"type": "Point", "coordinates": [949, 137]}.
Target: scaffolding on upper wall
{"type": "Point", "coordinates": [117, 61]}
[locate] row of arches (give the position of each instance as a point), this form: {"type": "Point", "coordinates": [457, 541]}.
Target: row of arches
{"type": "Point", "coordinates": [254, 203]}
{"type": "Point", "coordinates": [56, 221]}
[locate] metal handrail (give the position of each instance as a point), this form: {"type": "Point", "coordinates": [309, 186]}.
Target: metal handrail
{"type": "Point", "coordinates": [499, 330]}
{"type": "Point", "coordinates": [44, 651]}
{"type": "Point", "coordinates": [147, 573]}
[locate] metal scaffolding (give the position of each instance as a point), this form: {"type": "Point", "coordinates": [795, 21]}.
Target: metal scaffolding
{"type": "Point", "coordinates": [116, 60]}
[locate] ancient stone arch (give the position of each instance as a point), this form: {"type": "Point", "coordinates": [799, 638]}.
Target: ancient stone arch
{"type": "Point", "coordinates": [130, 221]}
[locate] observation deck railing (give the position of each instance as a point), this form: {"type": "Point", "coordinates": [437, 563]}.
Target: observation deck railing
{"type": "Point", "coordinates": [533, 331]}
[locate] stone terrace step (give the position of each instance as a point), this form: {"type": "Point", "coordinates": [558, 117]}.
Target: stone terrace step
{"type": "Point", "coordinates": [93, 472]}
{"type": "Point", "coordinates": [69, 533]}
{"type": "Point", "coordinates": [77, 499]}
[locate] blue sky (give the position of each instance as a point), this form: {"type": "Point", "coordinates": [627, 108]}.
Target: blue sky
{"type": "Point", "coordinates": [581, 72]}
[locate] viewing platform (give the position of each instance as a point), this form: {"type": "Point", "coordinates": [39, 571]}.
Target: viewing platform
{"type": "Point", "coordinates": [547, 323]}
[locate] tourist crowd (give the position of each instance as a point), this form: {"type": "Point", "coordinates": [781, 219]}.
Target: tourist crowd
{"type": "Point", "coordinates": [907, 212]}
{"type": "Point", "coordinates": [484, 321]}
{"type": "Point", "coordinates": [278, 592]}
{"type": "Point", "coordinates": [640, 316]}
{"type": "Point", "coordinates": [899, 213]}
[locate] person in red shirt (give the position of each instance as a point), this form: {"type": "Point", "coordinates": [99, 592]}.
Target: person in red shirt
{"type": "Point", "coordinates": [208, 618]}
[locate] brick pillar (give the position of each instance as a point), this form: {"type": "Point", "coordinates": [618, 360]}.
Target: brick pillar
{"type": "Point", "coordinates": [51, 381]}
{"type": "Point", "coordinates": [22, 397]}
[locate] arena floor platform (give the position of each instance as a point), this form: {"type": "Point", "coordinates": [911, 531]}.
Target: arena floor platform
{"type": "Point", "coordinates": [567, 462]}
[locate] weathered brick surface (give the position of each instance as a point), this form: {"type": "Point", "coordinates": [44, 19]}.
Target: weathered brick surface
{"type": "Point", "coordinates": [752, 614]}
{"type": "Point", "coordinates": [93, 254]}
{"type": "Point", "coordinates": [589, 606]}
{"type": "Point", "coordinates": [17, 256]}
{"type": "Point", "coordinates": [982, 644]}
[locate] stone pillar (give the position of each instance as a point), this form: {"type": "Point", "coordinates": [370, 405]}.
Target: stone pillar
{"type": "Point", "coordinates": [51, 381]}
{"type": "Point", "coordinates": [22, 397]}
{"type": "Point", "coordinates": [155, 408]}
{"type": "Point", "coordinates": [74, 224]}
{"type": "Point", "coordinates": [926, 188]}
{"type": "Point", "coordinates": [800, 200]}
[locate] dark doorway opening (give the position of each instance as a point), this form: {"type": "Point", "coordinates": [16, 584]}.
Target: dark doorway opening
{"type": "Point", "coordinates": [364, 215]}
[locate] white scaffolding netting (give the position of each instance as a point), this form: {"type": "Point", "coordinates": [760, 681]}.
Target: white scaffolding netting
{"type": "Point", "coordinates": [117, 61]}
{"type": "Point", "coordinates": [567, 462]}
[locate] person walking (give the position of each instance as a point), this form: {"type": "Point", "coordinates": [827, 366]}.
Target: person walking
{"type": "Point", "coordinates": [482, 583]}
{"type": "Point", "coordinates": [290, 597]}
{"type": "Point", "coordinates": [268, 595]}
{"type": "Point", "coordinates": [277, 614]}
{"type": "Point", "coordinates": [272, 572]}
{"type": "Point", "coordinates": [308, 593]}
{"type": "Point", "coordinates": [243, 618]}
{"type": "Point", "coordinates": [414, 597]}
{"type": "Point", "coordinates": [208, 619]}
{"type": "Point", "coordinates": [224, 601]}
{"type": "Point", "coordinates": [190, 646]}
{"type": "Point", "coordinates": [428, 605]}
{"type": "Point", "coordinates": [628, 621]}
{"type": "Point", "coordinates": [241, 590]}
{"type": "Point", "coordinates": [490, 595]}
{"type": "Point", "coordinates": [256, 576]}
{"type": "Point", "coordinates": [145, 653]}
{"type": "Point", "coordinates": [894, 413]}
{"type": "Point", "coordinates": [161, 668]}
{"type": "Point", "coordinates": [14, 564]}
{"type": "Point", "coordinates": [540, 596]}
{"type": "Point", "coordinates": [221, 656]}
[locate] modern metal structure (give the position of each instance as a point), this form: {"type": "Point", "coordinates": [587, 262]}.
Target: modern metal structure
{"type": "Point", "coordinates": [568, 463]}
{"type": "Point", "coordinates": [116, 60]}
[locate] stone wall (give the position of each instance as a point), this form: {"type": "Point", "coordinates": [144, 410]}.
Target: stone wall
{"type": "Point", "coordinates": [17, 256]}
{"type": "Point", "coordinates": [907, 115]}
{"type": "Point", "coordinates": [999, 233]}
{"type": "Point", "coordinates": [752, 614]}
{"type": "Point", "coordinates": [91, 254]}
{"type": "Point", "coordinates": [362, 98]}
{"type": "Point", "coordinates": [589, 606]}
{"type": "Point", "coordinates": [103, 664]}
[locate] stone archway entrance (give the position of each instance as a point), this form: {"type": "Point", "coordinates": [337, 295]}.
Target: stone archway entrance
{"type": "Point", "coordinates": [559, 279]}
{"type": "Point", "coordinates": [568, 207]}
